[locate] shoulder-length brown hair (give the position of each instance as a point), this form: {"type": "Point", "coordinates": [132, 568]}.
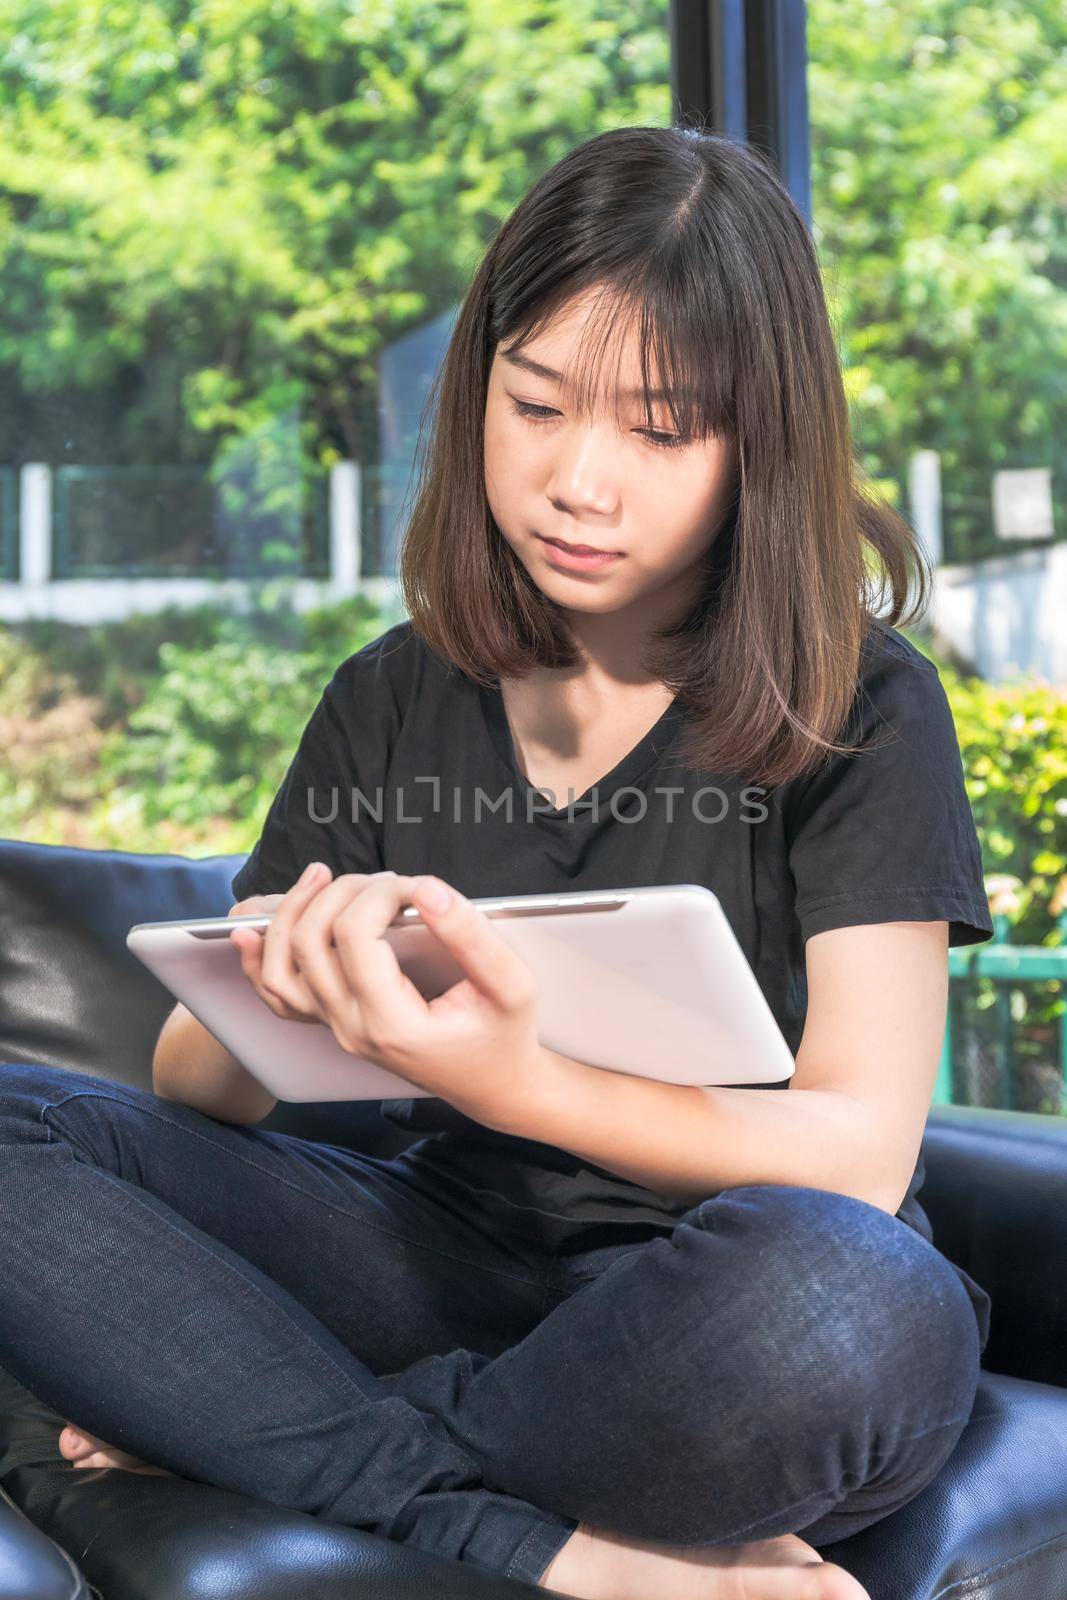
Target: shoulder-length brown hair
{"type": "Point", "coordinates": [696, 236]}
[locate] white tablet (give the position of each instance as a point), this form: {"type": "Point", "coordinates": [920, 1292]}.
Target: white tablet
{"type": "Point", "coordinates": [648, 981]}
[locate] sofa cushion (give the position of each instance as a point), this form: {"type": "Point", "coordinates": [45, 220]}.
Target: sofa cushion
{"type": "Point", "coordinates": [991, 1526]}
{"type": "Point", "coordinates": [139, 1537]}
{"type": "Point", "coordinates": [31, 1566]}
{"type": "Point", "coordinates": [996, 1196]}
{"type": "Point", "coordinates": [73, 996]}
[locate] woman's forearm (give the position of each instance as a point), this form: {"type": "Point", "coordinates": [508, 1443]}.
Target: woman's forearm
{"type": "Point", "coordinates": [688, 1142]}
{"type": "Point", "coordinates": [191, 1066]}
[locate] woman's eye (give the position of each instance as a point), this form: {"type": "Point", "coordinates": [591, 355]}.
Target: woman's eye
{"type": "Point", "coordinates": [538, 413]}
{"type": "Point", "coordinates": [663, 441]}
{"type": "Point", "coordinates": [668, 441]}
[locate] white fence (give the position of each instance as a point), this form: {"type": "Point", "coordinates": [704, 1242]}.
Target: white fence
{"type": "Point", "coordinates": [1004, 616]}
{"type": "Point", "coordinates": [38, 593]}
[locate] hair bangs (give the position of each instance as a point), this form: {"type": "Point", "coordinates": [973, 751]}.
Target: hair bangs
{"type": "Point", "coordinates": [685, 362]}
{"type": "Point", "coordinates": [705, 284]}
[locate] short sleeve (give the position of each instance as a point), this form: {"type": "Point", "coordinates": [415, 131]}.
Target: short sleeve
{"type": "Point", "coordinates": [328, 807]}
{"type": "Point", "coordinates": [888, 835]}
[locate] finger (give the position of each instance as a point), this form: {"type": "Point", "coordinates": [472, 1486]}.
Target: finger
{"type": "Point", "coordinates": [387, 998]}
{"type": "Point", "coordinates": [256, 905]}
{"type": "Point", "coordinates": [347, 920]}
{"type": "Point", "coordinates": [278, 975]}
{"type": "Point", "coordinates": [249, 947]}
{"type": "Point", "coordinates": [492, 965]}
{"type": "Point", "coordinates": [248, 939]}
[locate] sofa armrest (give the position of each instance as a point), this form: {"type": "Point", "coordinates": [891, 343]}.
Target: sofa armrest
{"type": "Point", "coordinates": [996, 1196]}
{"type": "Point", "coordinates": [71, 993]}
{"type": "Point", "coordinates": [73, 996]}
{"type": "Point", "coordinates": [31, 1566]}
{"type": "Point", "coordinates": [173, 1538]}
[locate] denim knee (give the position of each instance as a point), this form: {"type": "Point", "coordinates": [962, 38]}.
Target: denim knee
{"type": "Point", "coordinates": [845, 1311]}
{"type": "Point", "coordinates": [739, 1378]}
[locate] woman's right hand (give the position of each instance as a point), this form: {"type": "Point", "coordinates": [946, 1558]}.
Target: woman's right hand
{"type": "Point", "coordinates": [266, 959]}
{"type": "Point", "coordinates": [256, 905]}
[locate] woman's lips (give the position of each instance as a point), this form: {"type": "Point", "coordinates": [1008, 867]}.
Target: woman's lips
{"type": "Point", "coordinates": [575, 558]}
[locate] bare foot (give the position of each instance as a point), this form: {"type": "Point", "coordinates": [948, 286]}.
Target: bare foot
{"type": "Point", "coordinates": [86, 1450]}
{"type": "Point", "coordinates": [597, 1565]}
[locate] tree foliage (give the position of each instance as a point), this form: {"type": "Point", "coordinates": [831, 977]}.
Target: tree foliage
{"type": "Point", "coordinates": [215, 214]}
{"type": "Point", "coordinates": [939, 134]}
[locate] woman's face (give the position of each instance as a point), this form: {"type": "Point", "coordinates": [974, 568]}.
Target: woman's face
{"type": "Point", "coordinates": [612, 486]}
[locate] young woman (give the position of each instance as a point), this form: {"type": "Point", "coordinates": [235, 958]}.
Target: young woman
{"type": "Point", "coordinates": [617, 1337]}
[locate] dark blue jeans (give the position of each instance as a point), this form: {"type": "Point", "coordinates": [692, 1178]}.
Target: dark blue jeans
{"type": "Point", "coordinates": [364, 1340]}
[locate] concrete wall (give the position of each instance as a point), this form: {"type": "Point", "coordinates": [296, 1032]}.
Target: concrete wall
{"type": "Point", "coordinates": [85, 600]}
{"type": "Point", "coordinates": [1007, 616]}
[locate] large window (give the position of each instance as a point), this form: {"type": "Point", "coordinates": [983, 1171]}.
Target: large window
{"type": "Point", "coordinates": [232, 242]}
{"type": "Point", "coordinates": [939, 137]}
{"type": "Point", "coordinates": [232, 236]}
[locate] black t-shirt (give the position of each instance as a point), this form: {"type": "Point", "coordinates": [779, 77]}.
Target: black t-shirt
{"type": "Point", "coordinates": [408, 764]}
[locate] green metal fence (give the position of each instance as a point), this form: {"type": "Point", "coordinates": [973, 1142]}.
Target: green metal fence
{"type": "Point", "coordinates": [167, 521]}
{"type": "Point", "coordinates": [1007, 965]}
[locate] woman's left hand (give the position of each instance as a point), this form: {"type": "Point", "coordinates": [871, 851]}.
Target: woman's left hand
{"type": "Point", "coordinates": [475, 1045]}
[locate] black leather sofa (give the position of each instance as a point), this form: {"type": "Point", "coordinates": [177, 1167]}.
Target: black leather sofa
{"type": "Point", "coordinates": [992, 1524]}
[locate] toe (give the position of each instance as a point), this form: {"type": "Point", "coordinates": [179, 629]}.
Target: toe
{"type": "Point", "coordinates": [73, 1443]}
{"type": "Point", "coordinates": [834, 1583]}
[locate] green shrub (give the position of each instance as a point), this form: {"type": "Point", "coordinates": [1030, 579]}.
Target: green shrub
{"type": "Point", "coordinates": [173, 731]}
{"type": "Point", "coordinates": [165, 732]}
{"type": "Point", "coordinates": [1013, 740]}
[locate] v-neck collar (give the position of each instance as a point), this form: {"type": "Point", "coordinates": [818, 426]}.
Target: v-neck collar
{"type": "Point", "coordinates": [624, 772]}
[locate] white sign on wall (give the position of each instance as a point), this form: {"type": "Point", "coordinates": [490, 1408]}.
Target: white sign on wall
{"type": "Point", "coordinates": [1022, 503]}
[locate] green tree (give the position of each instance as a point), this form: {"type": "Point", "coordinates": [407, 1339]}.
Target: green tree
{"type": "Point", "coordinates": [215, 215]}
{"type": "Point", "coordinates": [939, 134]}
